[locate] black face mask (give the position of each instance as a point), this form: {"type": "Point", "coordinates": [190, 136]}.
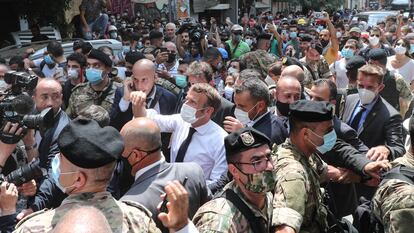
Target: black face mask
{"type": "Point", "coordinates": [128, 73]}
{"type": "Point", "coordinates": [171, 57]}
{"type": "Point", "coordinates": [283, 108]}
{"type": "Point", "coordinates": [355, 38]}
{"type": "Point", "coordinates": [324, 43]}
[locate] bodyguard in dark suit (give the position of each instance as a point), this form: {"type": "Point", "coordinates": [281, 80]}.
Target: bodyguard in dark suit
{"type": "Point", "coordinates": [142, 150]}
{"type": "Point", "coordinates": [252, 101]}
{"type": "Point", "coordinates": [377, 123]}
{"type": "Point", "coordinates": [143, 79]}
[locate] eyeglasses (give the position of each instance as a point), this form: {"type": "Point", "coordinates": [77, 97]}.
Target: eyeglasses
{"type": "Point", "coordinates": [374, 35]}
{"type": "Point", "coordinates": [260, 164]}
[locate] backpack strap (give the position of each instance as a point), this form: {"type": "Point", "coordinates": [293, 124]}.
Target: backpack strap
{"type": "Point", "coordinates": [256, 223]}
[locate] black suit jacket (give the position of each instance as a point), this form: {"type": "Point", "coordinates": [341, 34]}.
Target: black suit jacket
{"type": "Point", "coordinates": [349, 135]}
{"type": "Point", "coordinates": [166, 100]}
{"type": "Point", "coordinates": [273, 127]}
{"type": "Point", "coordinates": [150, 185]}
{"type": "Point", "coordinates": [382, 126]}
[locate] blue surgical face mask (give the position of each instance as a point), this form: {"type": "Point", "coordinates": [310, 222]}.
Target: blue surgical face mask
{"type": "Point", "coordinates": [329, 141]}
{"type": "Point", "coordinates": [94, 76]}
{"type": "Point", "coordinates": [56, 173]}
{"type": "Point", "coordinates": [347, 53]}
{"type": "Point", "coordinates": [293, 35]}
{"type": "Point", "coordinates": [48, 59]}
{"type": "Point", "coordinates": [411, 48]}
{"type": "Point", "coordinates": [126, 48]}
{"type": "Point", "coordinates": [181, 80]}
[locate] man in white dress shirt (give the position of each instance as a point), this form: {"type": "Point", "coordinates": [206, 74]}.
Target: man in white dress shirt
{"type": "Point", "coordinates": [196, 138]}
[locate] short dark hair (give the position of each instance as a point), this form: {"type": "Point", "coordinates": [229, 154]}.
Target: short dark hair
{"type": "Point", "coordinates": [211, 53]}
{"type": "Point", "coordinates": [79, 58]}
{"type": "Point", "coordinates": [333, 91]}
{"type": "Point", "coordinates": [55, 48]}
{"type": "Point", "coordinates": [257, 89]}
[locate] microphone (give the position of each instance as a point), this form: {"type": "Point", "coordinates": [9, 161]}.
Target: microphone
{"type": "Point", "coordinates": [22, 104]}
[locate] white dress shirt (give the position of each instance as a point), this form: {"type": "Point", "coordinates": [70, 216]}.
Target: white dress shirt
{"type": "Point", "coordinates": [206, 147]}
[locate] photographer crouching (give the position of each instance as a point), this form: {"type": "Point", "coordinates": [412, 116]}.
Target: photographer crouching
{"type": "Point", "coordinates": [39, 134]}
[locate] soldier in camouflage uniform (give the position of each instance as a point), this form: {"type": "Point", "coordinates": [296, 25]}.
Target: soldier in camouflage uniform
{"type": "Point", "coordinates": [393, 202]}
{"type": "Point", "coordinates": [315, 63]}
{"type": "Point", "coordinates": [89, 151]}
{"type": "Point", "coordinates": [248, 158]}
{"type": "Point", "coordinates": [259, 60]}
{"type": "Point", "coordinates": [297, 203]}
{"type": "Point", "coordinates": [83, 170]}
{"type": "Point", "coordinates": [99, 90]}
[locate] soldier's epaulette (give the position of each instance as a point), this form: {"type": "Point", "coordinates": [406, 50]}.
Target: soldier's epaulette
{"type": "Point", "coordinates": [30, 216]}
{"type": "Point", "coordinates": [137, 205]}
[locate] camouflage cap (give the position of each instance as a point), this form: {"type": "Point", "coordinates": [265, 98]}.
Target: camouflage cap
{"type": "Point", "coordinates": [258, 60]}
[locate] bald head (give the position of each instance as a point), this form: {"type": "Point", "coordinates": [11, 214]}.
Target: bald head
{"type": "Point", "coordinates": [48, 93]}
{"type": "Point", "coordinates": [288, 89]}
{"type": "Point", "coordinates": [84, 219]}
{"type": "Point", "coordinates": [141, 132]}
{"type": "Point", "coordinates": [142, 139]}
{"type": "Point", "coordinates": [171, 47]}
{"type": "Point", "coordinates": [293, 71]}
{"type": "Point", "coordinates": [143, 75]}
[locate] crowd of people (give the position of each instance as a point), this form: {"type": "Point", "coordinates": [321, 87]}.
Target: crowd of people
{"type": "Point", "coordinates": [275, 123]}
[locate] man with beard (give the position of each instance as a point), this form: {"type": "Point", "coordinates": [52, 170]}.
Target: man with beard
{"type": "Point", "coordinates": [329, 41]}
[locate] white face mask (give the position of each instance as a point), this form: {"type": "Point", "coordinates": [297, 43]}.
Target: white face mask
{"type": "Point", "coordinates": [338, 34]}
{"type": "Point", "coordinates": [366, 96]}
{"type": "Point", "coordinates": [400, 49]}
{"type": "Point", "coordinates": [249, 41]}
{"type": "Point", "coordinates": [188, 113]}
{"type": "Point", "coordinates": [373, 40]}
{"type": "Point", "coordinates": [73, 74]}
{"type": "Point", "coordinates": [232, 70]}
{"type": "Point", "coordinates": [228, 92]}
{"type": "Point", "coordinates": [242, 116]}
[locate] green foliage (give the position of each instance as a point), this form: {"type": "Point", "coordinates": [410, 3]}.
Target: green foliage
{"type": "Point", "coordinates": [317, 5]}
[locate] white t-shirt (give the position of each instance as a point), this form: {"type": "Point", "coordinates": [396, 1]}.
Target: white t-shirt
{"type": "Point", "coordinates": [407, 70]}
{"type": "Point", "coordinates": [339, 68]}
{"type": "Point", "coordinates": [49, 73]}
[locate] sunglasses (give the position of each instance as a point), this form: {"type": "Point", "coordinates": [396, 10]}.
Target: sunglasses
{"type": "Point", "coordinates": [375, 35]}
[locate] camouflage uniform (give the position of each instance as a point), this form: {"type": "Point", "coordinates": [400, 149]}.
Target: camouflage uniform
{"type": "Point", "coordinates": [320, 69]}
{"type": "Point", "coordinates": [393, 203]}
{"type": "Point", "coordinates": [83, 95]}
{"type": "Point", "coordinates": [297, 200]}
{"type": "Point", "coordinates": [259, 60]}
{"type": "Point", "coordinates": [122, 216]}
{"type": "Point", "coordinates": [220, 215]}
{"type": "Point", "coordinates": [402, 87]}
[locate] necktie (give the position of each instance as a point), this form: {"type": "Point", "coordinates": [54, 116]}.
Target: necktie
{"type": "Point", "coordinates": [184, 146]}
{"type": "Point", "coordinates": [357, 119]}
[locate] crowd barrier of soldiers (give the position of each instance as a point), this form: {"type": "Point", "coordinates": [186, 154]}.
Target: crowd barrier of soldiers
{"type": "Point", "coordinates": [275, 123]}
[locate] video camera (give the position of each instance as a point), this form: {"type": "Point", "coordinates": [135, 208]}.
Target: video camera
{"type": "Point", "coordinates": [195, 31]}
{"type": "Point", "coordinates": [20, 82]}
{"type": "Point", "coordinates": [17, 106]}
{"type": "Point", "coordinates": [24, 174]}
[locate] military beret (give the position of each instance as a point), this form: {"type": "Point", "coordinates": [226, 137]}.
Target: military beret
{"type": "Point", "coordinates": [101, 56]}
{"type": "Point", "coordinates": [317, 46]}
{"type": "Point", "coordinates": [87, 145]}
{"type": "Point", "coordinates": [155, 35]}
{"type": "Point", "coordinates": [264, 36]}
{"type": "Point", "coordinates": [244, 139]}
{"type": "Point", "coordinates": [311, 111]}
{"type": "Point", "coordinates": [355, 62]}
{"type": "Point", "coordinates": [306, 38]}
{"type": "Point", "coordinates": [378, 54]}
{"type": "Point", "coordinates": [133, 56]}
